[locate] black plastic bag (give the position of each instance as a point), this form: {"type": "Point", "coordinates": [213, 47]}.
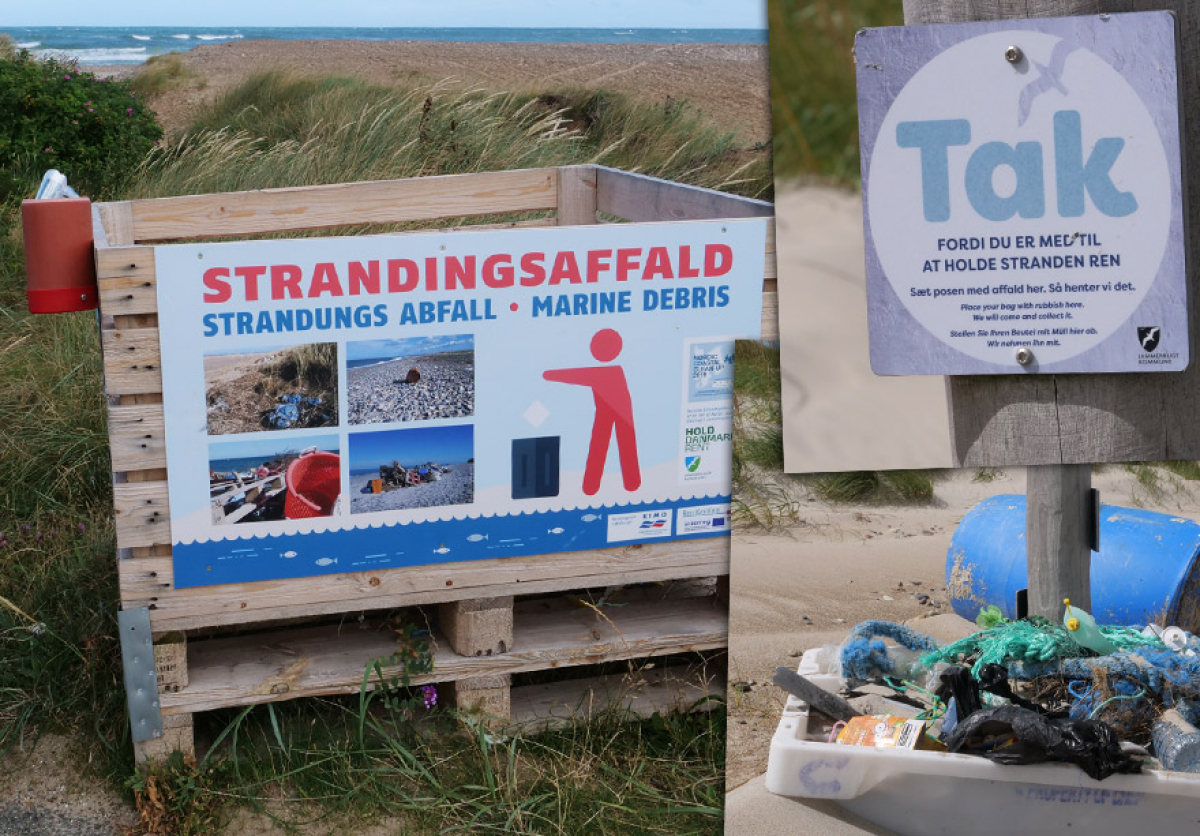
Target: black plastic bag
{"type": "Point", "coordinates": [1014, 735]}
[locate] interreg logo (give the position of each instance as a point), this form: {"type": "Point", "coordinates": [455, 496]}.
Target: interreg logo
{"type": "Point", "coordinates": [1074, 175]}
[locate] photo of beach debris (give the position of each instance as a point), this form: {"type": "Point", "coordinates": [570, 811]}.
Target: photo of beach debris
{"type": "Point", "coordinates": [412, 468]}
{"type": "Point", "coordinates": [273, 389]}
{"type": "Point", "coordinates": [272, 479]}
{"type": "Point", "coordinates": [416, 379]}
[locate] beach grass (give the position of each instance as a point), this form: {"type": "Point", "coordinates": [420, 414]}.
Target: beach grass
{"type": "Point", "coordinates": [440, 771]}
{"type": "Point", "coordinates": [814, 106]}
{"type": "Point", "coordinates": [159, 74]}
{"type": "Point", "coordinates": [277, 130]}
{"type": "Point", "coordinates": [59, 654]}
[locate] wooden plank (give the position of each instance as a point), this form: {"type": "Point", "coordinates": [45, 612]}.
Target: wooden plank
{"type": "Point", "coordinates": [242, 214]}
{"type": "Point", "coordinates": [135, 262]}
{"type": "Point", "coordinates": [771, 265]}
{"type": "Point", "coordinates": [770, 317]}
{"type": "Point", "coordinates": [1001, 420]}
{"type": "Point", "coordinates": [132, 362]}
{"type": "Point", "coordinates": [576, 195]}
{"type": "Point", "coordinates": [636, 197]}
{"type": "Point", "coordinates": [142, 514]}
{"type": "Point", "coordinates": [246, 670]}
{"type": "Point", "coordinates": [148, 582]}
{"type": "Point", "coordinates": [640, 694]}
{"type": "Point", "coordinates": [137, 437]}
{"type": "Point", "coordinates": [1057, 538]}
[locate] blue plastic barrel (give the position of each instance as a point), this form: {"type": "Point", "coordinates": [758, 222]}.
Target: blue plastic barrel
{"type": "Point", "coordinates": [1146, 570]}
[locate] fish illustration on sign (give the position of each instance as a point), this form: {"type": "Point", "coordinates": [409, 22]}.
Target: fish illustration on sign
{"type": "Point", "coordinates": [290, 553]}
{"type": "Point", "coordinates": [441, 549]}
{"type": "Point", "coordinates": [558, 530]}
{"type": "Point", "coordinates": [475, 538]}
{"type": "Point", "coordinates": [326, 561]}
{"type": "Point", "coordinates": [590, 517]}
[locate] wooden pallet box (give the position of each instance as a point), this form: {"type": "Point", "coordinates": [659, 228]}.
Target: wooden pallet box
{"type": "Point", "coordinates": [487, 629]}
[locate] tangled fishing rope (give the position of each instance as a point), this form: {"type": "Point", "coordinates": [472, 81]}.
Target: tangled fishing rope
{"type": "Point", "coordinates": [865, 655]}
{"type": "Point", "coordinates": [1026, 643]}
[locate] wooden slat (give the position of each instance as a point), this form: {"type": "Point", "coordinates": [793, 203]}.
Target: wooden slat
{"type": "Point", "coordinates": [149, 582]}
{"type": "Point", "coordinates": [143, 516]}
{"type": "Point", "coordinates": [770, 317]}
{"type": "Point", "coordinates": [132, 363]}
{"type": "Point", "coordinates": [636, 197]}
{"type": "Point", "coordinates": [641, 694]}
{"type": "Point", "coordinates": [771, 267]}
{"type": "Point", "coordinates": [240, 214]}
{"type": "Point", "coordinates": [247, 670]}
{"type": "Point", "coordinates": [137, 437]}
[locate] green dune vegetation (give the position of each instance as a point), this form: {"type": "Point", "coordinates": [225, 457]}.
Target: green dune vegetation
{"type": "Point", "coordinates": [424, 769]}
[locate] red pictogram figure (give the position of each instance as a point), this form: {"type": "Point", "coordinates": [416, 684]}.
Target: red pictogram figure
{"type": "Point", "coordinates": [614, 409]}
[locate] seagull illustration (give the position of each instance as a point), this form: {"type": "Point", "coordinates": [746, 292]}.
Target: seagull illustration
{"type": "Point", "coordinates": [1048, 78]}
{"type": "Point", "coordinates": [1150, 338]}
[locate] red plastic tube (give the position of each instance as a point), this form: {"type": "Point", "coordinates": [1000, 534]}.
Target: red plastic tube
{"type": "Point", "coordinates": [59, 255]}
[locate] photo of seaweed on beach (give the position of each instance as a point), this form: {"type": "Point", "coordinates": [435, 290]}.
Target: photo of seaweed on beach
{"type": "Point", "coordinates": [413, 468]}
{"type": "Point", "coordinates": [284, 388]}
{"type": "Point", "coordinates": [415, 379]}
{"type": "Point", "coordinates": [271, 479]}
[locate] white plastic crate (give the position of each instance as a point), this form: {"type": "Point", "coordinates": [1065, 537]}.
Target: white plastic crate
{"type": "Point", "coordinates": [917, 793]}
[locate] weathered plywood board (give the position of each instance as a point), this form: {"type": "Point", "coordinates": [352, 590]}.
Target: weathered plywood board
{"type": "Point", "coordinates": [343, 204]}
{"type": "Point", "coordinates": [1076, 419]}
{"type": "Point", "coordinates": [247, 670]}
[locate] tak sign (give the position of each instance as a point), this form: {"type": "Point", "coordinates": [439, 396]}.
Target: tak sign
{"type": "Point", "coordinates": [1022, 196]}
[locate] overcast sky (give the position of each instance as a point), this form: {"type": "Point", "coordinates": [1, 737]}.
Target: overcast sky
{"type": "Point", "coordinates": [623, 14]}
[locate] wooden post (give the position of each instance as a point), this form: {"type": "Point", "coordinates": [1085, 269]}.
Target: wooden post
{"type": "Point", "coordinates": [1007, 419]}
{"type": "Point", "coordinates": [1057, 537]}
{"type": "Point", "coordinates": [576, 195]}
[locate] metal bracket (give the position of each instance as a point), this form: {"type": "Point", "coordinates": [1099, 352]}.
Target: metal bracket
{"type": "Point", "coordinates": [141, 682]}
{"type": "Point", "coordinates": [1094, 521]}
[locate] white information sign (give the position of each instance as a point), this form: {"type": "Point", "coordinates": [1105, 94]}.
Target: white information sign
{"type": "Point", "coordinates": [1022, 196]}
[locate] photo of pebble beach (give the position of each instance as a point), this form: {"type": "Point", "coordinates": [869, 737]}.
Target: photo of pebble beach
{"type": "Point", "coordinates": [413, 468]}
{"type": "Point", "coordinates": [416, 379]}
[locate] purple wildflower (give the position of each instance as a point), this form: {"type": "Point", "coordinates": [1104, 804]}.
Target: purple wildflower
{"type": "Point", "coordinates": [429, 695]}
{"type": "Point", "coordinates": [66, 78]}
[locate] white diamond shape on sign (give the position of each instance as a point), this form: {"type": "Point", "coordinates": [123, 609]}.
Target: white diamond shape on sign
{"type": "Point", "coordinates": [536, 414]}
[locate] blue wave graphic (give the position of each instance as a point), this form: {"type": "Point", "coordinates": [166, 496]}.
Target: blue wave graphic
{"type": "Point", "coordinates": [275, 557]}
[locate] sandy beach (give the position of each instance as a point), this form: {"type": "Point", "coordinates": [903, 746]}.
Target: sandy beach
{"type": "Point", "coordinates": [454, 488]}
{"type": "Point", "coordinates": [809, 585]}
{"type": "Point", "coordinates": [728, 82]}
{"type": "Point", "coordinates": [838, 415]}
{"type": "Point", "coordinates": [381, 393]}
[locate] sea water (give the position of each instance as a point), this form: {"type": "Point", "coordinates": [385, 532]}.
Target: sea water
{"type": "Point", "coordinates": [133, 45]}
